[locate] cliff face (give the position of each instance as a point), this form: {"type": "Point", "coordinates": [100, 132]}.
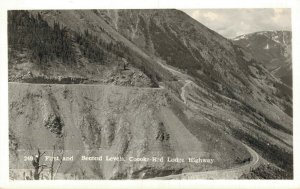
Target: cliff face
{"type": "Point", "coordinates": [185, 92]}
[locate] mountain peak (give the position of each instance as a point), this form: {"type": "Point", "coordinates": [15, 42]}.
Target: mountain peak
{"type": "Point", "coordinates": [273, 49]}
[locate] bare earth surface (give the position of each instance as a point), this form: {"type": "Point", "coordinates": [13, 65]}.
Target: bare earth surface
{"type": "Point", "coordinates": [231, 173]}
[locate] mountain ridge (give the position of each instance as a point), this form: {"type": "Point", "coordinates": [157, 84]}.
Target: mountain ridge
{"type": "Point", "coordinates": [231, 95]}
{"type": "Point", "coordinates": [273, 49]}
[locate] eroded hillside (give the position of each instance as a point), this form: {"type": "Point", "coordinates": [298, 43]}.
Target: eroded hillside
{"type": "Point", "coordinates": [196, 92]}
{"type": "Point", "coordinates": [115, 121]}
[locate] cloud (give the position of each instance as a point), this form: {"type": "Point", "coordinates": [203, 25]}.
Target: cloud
{"type": "Point", "coordinates": [233, 22]}
{"type": "Point", "coordinates": [211, 16]}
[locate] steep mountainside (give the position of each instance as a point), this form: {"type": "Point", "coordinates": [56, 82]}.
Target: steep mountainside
{"type": "Point", "coordinates": [95, 120]}
{"type": "Point", "coordinates": [273, 49]}
{"type": "Point", "coordinates": [195, 91]}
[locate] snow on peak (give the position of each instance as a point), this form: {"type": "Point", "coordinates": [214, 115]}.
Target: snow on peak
{"type": "Point", "coordinates": [267, 46]}
{"type": "Point", "coordinates": [240, 37]}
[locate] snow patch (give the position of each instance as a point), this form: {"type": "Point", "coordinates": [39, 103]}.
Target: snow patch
{"type": "Point", "coordinates": [267, 46]}
{"type": "Point", "coordinates": [275, 39]}
{"type": "Point", "coordinates": [240, 37]}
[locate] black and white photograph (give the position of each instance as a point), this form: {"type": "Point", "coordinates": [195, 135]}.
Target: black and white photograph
{"type": "Point", "coordinates": [150, 94]}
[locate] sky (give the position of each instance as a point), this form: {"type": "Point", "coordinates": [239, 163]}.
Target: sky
{"type": "Point", "coordinates": [234, 22]}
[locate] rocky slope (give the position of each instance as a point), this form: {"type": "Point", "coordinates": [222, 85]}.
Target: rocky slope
{"type": "Point", "coordinates": [273, 49]}
{"type": "Point", "coordinates": [95, 120]}
{"type": "Point", "coordinates": [209, 95]}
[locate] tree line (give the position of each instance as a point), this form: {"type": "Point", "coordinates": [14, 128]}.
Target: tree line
{"type": "Point", "coordinates": [46, 43]}
{"type": "Point", "coordinates": [32, 32]}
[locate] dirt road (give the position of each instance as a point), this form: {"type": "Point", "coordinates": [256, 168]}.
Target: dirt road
{"type": "Point", "coordinates": [231, 173]}
{"type": "Point", "coordinates": [93, 85]}
{"type": "Point", "coordinates": [182, 95]}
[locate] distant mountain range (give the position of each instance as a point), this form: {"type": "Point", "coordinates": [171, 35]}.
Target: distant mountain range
{"type": "Point", "coordinates": [273, 49]}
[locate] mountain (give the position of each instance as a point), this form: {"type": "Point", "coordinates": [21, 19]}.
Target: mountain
{"type": "Point", "coordinates": [143, 83]}
{"type": "Point", "coordinates": [273, 49]}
